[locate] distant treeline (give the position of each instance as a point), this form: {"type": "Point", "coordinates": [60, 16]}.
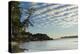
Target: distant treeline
{"type": "Point", "coordinates": [70, 36]}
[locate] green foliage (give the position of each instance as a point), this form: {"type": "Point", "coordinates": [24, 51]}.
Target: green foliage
{"type": "Point", "coordinates": [15, 16]}
{"type": "Point", "coordinates": [15, 13]}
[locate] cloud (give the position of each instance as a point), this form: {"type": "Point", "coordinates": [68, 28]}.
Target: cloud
{"type": "Point", "coordinates": [52, 8]}
{"type": "Point", "coordinates": [55, 14]}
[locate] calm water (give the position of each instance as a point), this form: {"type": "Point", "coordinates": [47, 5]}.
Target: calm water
{"type": "Point", "coordinates": [61, 44]}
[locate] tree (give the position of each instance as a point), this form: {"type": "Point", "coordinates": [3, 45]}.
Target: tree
{"type": "Point", "coordinates": [27, 21]}
{"type": "Point", "coordinates": [15, 17]}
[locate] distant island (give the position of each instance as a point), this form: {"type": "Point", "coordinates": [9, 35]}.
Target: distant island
{"type": "Point", "coordinates": [27, 36]}
{"type": "Point", "coordinates": [40, 37]}
{"type": "Point", "coordinates": [70, 36]}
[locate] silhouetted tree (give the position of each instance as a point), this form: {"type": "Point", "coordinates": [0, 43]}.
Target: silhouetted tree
{"type": "Point", "coordinates": [27, 21]}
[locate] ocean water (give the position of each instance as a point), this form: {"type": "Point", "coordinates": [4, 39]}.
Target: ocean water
{"type": "Point", "coordinates": [50, 45]}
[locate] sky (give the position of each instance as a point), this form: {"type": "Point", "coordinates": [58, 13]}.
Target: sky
{"type": "Point", "coordinates": [55, 20]}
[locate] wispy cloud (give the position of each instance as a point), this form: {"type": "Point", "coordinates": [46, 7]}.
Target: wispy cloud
{"type": "Point", "coordinates": [63, 15]}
